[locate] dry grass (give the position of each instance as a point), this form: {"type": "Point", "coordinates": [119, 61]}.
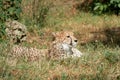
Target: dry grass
{"type": "Point", "coordinates": [100, 62]}
{"type": "Point", "coordinates": [63, 15]}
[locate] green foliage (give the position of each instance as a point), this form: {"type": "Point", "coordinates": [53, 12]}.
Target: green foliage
{"type": "Point", "coordinates": [112, 57]}
{"type": "Point", "coordinates": [111, 6]}
{"type": "Point", "coordinates": [100, 8]}
{"type": "Point", "coordinates": [8, 9]}
{"type": "Point", "coordinates": [64, 76]}
{"type": "Point", "coordinates": [2, 31]}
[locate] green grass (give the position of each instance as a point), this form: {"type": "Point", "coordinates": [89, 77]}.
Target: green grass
{"type": "Point", "coordinates": [99, 62]}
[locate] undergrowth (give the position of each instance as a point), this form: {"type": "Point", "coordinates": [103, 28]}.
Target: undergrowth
{"type": "Point", "coordinates": [99, 61]}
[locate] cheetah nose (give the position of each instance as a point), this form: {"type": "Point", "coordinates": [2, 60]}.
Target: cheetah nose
{"type": "Point", "coordinates": [75, 40]}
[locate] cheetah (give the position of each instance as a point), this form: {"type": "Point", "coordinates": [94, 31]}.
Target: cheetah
{"type": "Point", "coordinates": [63, 46]}
{"type": "Point", "coordinates": [16, 31]}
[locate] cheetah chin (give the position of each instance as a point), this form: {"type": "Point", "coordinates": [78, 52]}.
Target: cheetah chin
{"type": "Point", "coordinates": [71, 51]}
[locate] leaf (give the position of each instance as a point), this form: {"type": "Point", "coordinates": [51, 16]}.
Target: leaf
{"type": "Point", "coordinates": [101, 8]}
{"type": "Point", "coordinates": [111, 1]}
{"type": "Point", "coordinates": [1, 4]}
{"type": "Point", "coordinates": [18, 10]}
{"type": "Point", "coordinates": [2, 15]}
{"type": "Point", "coordinates": [97, 4]}
{"type": "Point", "coordinates": [105, 7]}
{"type": "Point", "coordinates": [11, 10]}
{"type": "Point", "coordinates": [119, 5]}
{"type": "Point", "coordinates": [96, 8]}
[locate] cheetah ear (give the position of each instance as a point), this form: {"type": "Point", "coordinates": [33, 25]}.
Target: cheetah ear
{"type": "Point", "coordinates": [53, 34]}
{"type": "Point", "coordinates": [56, 34]}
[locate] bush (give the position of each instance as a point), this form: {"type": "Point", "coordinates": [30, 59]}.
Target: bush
{"type": "Point", "coordinates": [103, 6]}
{"type": "Point", "coordinates": [9, 9]}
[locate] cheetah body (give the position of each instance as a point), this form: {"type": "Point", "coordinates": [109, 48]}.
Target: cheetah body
{"type": "Point", "coordinates": [63, 46]}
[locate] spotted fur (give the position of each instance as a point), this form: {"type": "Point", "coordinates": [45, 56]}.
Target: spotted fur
{"type": "Point", "coordinates": [63, 46]}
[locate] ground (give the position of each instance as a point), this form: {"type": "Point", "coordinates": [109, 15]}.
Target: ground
{"type": "Point", "coordinates": [100, 61]}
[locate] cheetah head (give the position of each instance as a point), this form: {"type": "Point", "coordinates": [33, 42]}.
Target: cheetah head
{"type": "Point", "coordinates": [65, 39]}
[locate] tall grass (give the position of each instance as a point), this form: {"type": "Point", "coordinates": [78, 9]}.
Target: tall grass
{"type": "Point", "coordinates": [35, 11]}
{"type": "Point", "coordinates": [99, 61]}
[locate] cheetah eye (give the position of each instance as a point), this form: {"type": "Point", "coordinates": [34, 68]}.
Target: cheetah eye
{"type": "Point", "coordinates": [68, 36]}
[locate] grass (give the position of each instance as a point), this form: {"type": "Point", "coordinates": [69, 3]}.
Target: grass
{"type": "Point", "coordinates": [99, 62]}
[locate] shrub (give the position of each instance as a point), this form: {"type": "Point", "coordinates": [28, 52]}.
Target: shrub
{"type": "Point", "coordinates": [103, 6]}
{"type": "Point", "coordinates": [8, 9]}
